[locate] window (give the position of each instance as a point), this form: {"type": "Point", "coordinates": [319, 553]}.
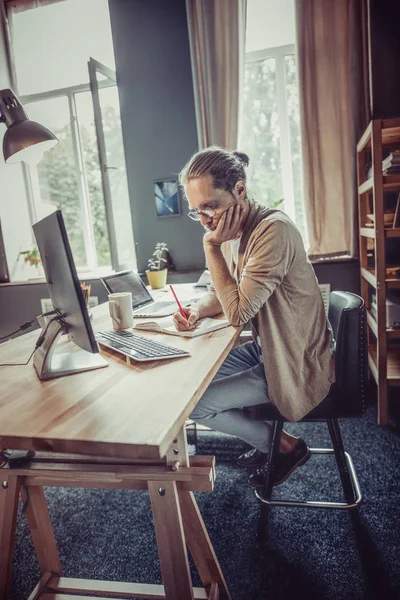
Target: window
{"type": "Point", "coordinates": [84, 175]}
{"type": "Point", "coordinates": [270, 128]}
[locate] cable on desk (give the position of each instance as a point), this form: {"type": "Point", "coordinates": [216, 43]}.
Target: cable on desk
{"type": "Point", "coordinates": [21, 328]}
{"type": "Point", "coordinates": [26, 325]}
{"type": "Point", "coordinates": [39, 342]}
{"type": "Point", "coordinates": [18, 364]}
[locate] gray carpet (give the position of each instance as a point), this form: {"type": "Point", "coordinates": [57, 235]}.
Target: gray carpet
{"type": "Point", "coordinates": [313, 554]}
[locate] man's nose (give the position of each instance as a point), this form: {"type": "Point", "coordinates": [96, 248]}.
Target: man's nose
{"type": "Point", "coordinates": [204, 219]}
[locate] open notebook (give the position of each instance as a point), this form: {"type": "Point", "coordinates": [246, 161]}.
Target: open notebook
{"type": "Point", "coordinates": [166, 325]}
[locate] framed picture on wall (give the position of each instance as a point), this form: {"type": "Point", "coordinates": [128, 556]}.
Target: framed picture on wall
{"type": "Point", "coordinates": [166, 196]}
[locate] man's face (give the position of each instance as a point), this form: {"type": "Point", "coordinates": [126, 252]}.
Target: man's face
{"type": "Point", "coordinates": [203, 196]}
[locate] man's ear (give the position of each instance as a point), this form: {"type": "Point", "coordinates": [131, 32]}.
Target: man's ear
{"type": "Point", "coordinates": [240, 188]}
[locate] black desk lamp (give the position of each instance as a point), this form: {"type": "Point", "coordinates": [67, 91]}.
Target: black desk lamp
{"type": "Point", "coordinates": [24, 139]}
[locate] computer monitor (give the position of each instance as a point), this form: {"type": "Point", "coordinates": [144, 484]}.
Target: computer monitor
{"type": "Point", "coordinates": [67, 298]}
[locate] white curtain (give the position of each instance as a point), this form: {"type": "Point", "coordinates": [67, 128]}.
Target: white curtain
{"type": "Point", "coordinates": [332, 111]}
{"type": "Point", "coordinates": [217, 33]}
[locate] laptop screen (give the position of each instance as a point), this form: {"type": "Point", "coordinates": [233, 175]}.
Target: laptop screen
{"type": "Point", "coordinates": [128, 281]}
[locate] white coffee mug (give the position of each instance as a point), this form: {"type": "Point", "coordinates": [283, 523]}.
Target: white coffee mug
{"type": "Point", "coordinates": [120, 307]}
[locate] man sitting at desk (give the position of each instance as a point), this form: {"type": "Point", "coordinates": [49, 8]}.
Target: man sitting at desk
{"type": "Point", "coordinates": [260, 273]}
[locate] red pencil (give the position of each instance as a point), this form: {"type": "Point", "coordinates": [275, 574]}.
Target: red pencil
{"type": "Point", "coordinates": [183, 313]}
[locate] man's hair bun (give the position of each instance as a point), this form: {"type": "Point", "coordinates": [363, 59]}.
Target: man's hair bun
{"type": "Point", "coordinates": [225, 167]}
{"type": "Point", "coordinates": [242, 157]}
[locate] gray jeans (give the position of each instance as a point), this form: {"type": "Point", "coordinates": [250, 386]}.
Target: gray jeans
{"type": "Point", "coordinates": [239, 382]}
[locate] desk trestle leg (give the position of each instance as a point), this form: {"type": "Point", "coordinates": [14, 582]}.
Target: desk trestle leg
{"type": "Point", "coordinates": [9, 492]}
{"type": "Point", "coordinates": [195, 532]}
{"type": "Point", "coordinates": [178, 524]}
{"type": "Point", "coordinates": [41, 529]}
{"type": "Point", "coordinates": [201, 548]}
{"type": "Point", "coordinates": [170, 540]}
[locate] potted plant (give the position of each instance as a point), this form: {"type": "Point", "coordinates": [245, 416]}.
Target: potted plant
{"type": "Point", "coordinates": [156, 272]}
{"type": "Point", "coordinates": [32, 257]}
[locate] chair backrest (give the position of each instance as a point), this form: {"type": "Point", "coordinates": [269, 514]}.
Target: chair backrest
{"type": "Point", "coordinates": [347, 317]}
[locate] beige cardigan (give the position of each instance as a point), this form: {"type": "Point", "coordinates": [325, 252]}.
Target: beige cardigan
{"type": "Point", "coordinates": [279, 293]}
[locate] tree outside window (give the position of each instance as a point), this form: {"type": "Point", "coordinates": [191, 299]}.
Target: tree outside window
{"type": "Point", "coordinates": [57, 91]}
{"type": "Point", "coordinates": [270, 131]}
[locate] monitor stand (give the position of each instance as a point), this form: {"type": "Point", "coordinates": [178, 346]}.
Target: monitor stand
{"type": "Point", "coordinates": [49, 365]}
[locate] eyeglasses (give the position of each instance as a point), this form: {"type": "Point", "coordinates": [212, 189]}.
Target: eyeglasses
{"type": "Point", "coordinates": [194, 213]}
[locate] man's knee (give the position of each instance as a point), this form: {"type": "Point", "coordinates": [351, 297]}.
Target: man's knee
{"type": "Point", "coordinates": [203, 410]}
{"type": "Point", "coordinates": [199, 413]}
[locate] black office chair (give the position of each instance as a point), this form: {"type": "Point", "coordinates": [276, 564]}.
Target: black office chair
{"type": "Point", "coordinates": [346, 399]}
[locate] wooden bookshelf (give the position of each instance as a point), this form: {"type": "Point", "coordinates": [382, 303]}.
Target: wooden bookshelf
{"type": "Point", "coordinates": [383, 341]}
{"type": "Point", "coordinates": [388, 232]}
{"type": "Point", "coordinates": [390, 183]}
{"type": "Point", "coordinates": [393, 364]}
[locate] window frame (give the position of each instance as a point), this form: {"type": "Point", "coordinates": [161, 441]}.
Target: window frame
{"type": "Point", "coordinates": [31, 182]}
{"type": "Point", "coordinates": [278, 53]}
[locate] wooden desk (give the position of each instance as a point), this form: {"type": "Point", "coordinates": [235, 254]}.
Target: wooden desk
{"type": "Point", "coordinates": [117, 427]}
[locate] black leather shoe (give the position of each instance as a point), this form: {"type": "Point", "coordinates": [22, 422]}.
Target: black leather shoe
{"type": "Point", "coordinates": [252, 458]}
{"type": "Point", "coordinates": [285, 464]}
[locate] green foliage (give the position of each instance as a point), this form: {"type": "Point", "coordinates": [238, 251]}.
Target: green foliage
{"type": "Point", "coordinates": [260, 139]}
{"type": "Point", "coordinates": [292, 93]}
{"type": "Point", "coordinates": [58, 177]}
{"type": "Point", "coordinates": [32, 257]}
{"type": "Point", "coordinates": [96, 198]}
{"type": "Point", "coordinates": [59, 187]}
{"type": "Point", "coordinates": [261, 133]}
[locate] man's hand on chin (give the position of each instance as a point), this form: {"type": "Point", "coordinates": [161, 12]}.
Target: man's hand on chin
{"type": "Point", "coordinates": [228, 227]}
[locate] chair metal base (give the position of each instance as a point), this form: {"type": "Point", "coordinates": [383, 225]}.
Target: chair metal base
{"type": "Point", "coordinates": [323, 504]}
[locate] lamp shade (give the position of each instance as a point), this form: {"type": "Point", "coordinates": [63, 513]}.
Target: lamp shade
{"type": "Point", "coordinates": [24, 139]}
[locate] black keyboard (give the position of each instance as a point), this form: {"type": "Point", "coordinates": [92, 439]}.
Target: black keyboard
{"type": "Point", "coordinates": [137, 346]}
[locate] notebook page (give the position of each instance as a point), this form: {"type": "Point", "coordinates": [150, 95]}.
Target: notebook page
{"type": "Point", "coordinates": [206, 325]}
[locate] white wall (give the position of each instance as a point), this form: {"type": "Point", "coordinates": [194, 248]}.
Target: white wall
{"type": "Point", "coordinates": [270, 23]}
{"type": "Point", "coordinates": [17, 231]}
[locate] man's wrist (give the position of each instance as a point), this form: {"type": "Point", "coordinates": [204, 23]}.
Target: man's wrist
{"type": "Point", "coordinates": [211, 246]}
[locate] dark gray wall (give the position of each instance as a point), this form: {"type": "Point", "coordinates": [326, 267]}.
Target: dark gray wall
{"type": "Point", "coordinates": [343, 276]}
{"type": "Point", "coordinates": [384, 49]}
{"type": "Point", "coordinates": [154, 75]}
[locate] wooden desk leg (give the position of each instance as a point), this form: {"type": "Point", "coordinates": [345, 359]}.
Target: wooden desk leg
{"type": "Point", "coordinates": [200, 546]}
{"type": "Point", "coordinates": [9, 490]}
{"type": "Point", "coordinates": [214, 592]}
{"type": "Point", "coordinates": [38, 518]}
{"type": "Point", "coordinates": [196, 534]}
{"type": "Point", "coordinates": [170, 540]}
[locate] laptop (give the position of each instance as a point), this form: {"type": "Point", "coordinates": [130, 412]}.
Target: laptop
{"type": "Point", "coordinates": [143, 304]}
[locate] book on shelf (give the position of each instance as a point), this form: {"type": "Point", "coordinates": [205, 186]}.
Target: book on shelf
{"type": "Point", "coordinates": [166, 325]}
{"type": "Point", "coordinates": [390, 164]}
{"type": "Point", "coordinates": [388, 218]}
{"type": "Point", "coordinates": [394, 170]}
